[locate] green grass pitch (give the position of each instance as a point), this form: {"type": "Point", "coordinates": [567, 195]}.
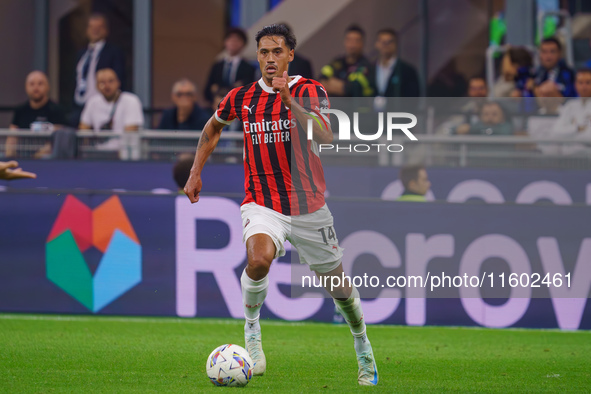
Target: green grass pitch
{"type": "Point", "coordinates": [79, 354]}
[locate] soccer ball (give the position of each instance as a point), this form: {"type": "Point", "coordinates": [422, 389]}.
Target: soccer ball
{"type": "Point", "coordinates": [229, 365]}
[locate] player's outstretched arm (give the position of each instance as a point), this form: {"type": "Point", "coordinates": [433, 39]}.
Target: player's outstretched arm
{"type": "Point", "coordinates": [207, 143]}
{"type": "Point", "coordinates": [9, 170]}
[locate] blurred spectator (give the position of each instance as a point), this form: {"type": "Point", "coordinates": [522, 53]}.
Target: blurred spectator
{"type": "Point", "coordinates": [182, 170]}
{"type": "Point", "coordinates": [470, 110]}
{"type": "Point", "coordinates": [478, 93]}
{"type": "Point", "coordinates": [549, 105]}
{"type": "Point", "coordinates": [553, 78]}
{"type": "Point", "coordinates": [217, 99]}
{"type": "Point", "coordinates": [477, 87]}
{"type": "Point", "coordinates": [448, 82]}
{"type": "Point", "coordinates": [227, 145]}
{"type": "Point", "coordinates": [233, 70]}
{"type": "Point", "coordinates": [186, 114]}
{"type": "Point", "coordinates": [493, 121]}
{"type": "Point", "coordinates": [348, 75]}
{"type": "Point", "coordinates": [515, 75]}
{"type": "Point", "coordinates": [114, 110]}
{"type": "Point", "coordinates": [416, 183]}
{"type": "Point", "coordinates": [98, 55]}
{"type": "Point", "coordinates": [575, 116]}
{"type": "Point", "coordinates": [299, 65]}
{"type": "Point", "coordinates": [38, 113]}
{"type": "Point", "coordinates": [9, 170]}
{"type": "Point", "coordinates": [390, 76]}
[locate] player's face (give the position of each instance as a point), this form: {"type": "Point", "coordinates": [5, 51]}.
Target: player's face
{"type": "Point", "coordinates": [583, 84]}
{"type": "Point", "coordinates": [353, 44]}
{"type": "Point", "coordinates": [273, 56]}
{"type": "Point", "coordinates": [549, 55]}
{"type": "Point", "coordinates": [422, 184]}
{"type": "Point", "coordinates": [477, 88]}
{"type": "Point", "coordinates": [37, 86]}
{"type": "Point", "coordinates": [107, 83]}
{"type": "Point", "coordinates": [97, 29]}
{"type": "Point", "coordinates": [386, 45]}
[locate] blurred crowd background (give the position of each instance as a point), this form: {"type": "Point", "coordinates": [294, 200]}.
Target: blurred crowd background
{"type": "Point", "coordinates": [95, 78]}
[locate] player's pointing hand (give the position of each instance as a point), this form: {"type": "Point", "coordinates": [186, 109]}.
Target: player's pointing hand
{"type": "Point", "coordinates": [193, 188]}
{"type": "Point", "coordinates": [10, 170]}
{"type": "Point", "coordinates": [281, 86]}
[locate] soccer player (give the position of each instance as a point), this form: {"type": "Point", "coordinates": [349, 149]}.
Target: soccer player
{"type": "Point", "coordinates": [284, 187]}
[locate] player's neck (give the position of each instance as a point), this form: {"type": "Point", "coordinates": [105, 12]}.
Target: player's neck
{"type": "Point", "coordinates": [269, 81]}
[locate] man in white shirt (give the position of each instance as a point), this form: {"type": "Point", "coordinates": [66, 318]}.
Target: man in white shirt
{"type": "Point", "coordinates": [575, 116]}
{"type": "Point", "coordinates": [114, 110]}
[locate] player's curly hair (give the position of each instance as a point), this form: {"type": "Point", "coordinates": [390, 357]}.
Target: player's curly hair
{"type": "Point", "coordinates": [277, 30]}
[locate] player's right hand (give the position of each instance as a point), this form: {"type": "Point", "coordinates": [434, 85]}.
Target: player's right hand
{"type": "Point", "coordinates": [193, 188]}
{"type": "Point", "coordinates": [9, 170]}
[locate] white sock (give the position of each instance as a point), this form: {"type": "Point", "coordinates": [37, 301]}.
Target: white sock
{"type": "Point", "coordinates": [353, 314]}
{"type": "Point", "coordinates": [252, 325]}
{"type": "Point", "coordinates": [253, 295]}
{"type": "Point", "coordinates": [362, 343]}
{"type": "Point", "coordinates": [351, 311]}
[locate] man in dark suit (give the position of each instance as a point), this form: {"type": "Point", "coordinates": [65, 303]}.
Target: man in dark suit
{"type": "Point", "coordinates": [99, 55]}
{"type": "Point", "coordinates": [391, 76]}
{"type": "Point", "coordinates": [233, 70]}
{"type": "Point", "coordinates": [299, 65]}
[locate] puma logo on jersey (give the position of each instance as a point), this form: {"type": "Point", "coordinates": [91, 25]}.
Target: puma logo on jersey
{"type": "Point", "coordinates": [249, 109]}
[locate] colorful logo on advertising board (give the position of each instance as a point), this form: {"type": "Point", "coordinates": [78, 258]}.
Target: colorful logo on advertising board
{"type": "Point", "coordinates": [108, 230]}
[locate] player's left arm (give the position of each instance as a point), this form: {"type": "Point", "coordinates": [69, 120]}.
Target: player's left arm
{"type": "Point", "coordinates": [321, 131]}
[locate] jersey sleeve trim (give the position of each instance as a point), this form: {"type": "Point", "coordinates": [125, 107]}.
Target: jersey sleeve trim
{"type": "Point", "coordinates": [226, 122]}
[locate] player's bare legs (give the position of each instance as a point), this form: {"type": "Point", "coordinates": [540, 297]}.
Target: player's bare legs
{"type": "Point", "coordinates": [260, 251]}
{"type": "Point", "coordinates": [348, 303]}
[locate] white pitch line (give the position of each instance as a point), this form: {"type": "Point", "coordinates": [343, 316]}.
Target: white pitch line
{"type": "Point", "coordinates": [175, 320]}
{"type": "Point", "coordinates": [230, 321]}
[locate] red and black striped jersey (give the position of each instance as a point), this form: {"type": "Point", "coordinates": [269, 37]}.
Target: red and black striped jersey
{"type": "Point", "coordinates": [282, 168]}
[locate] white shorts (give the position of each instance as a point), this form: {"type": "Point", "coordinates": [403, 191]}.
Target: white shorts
{"type": "Point", "coordinates": [312, 234]}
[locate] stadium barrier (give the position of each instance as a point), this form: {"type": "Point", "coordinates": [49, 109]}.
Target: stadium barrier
{"type": "Point", "coordinates": [137, 252]}
{"type": "Point", "coordinates": [433, 150]}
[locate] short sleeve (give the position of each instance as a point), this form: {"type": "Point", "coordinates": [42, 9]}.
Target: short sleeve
{"type": "Point", "coordinates": [15, 118]}
{"type": "Point", "coordinates": [86, 116]}
{"type": "Point", "coordinates": [134, 114]}
{"type": "Point", "coordinates": [315, 99]}
{"type": "Point", "coordinates": [225, 113]}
